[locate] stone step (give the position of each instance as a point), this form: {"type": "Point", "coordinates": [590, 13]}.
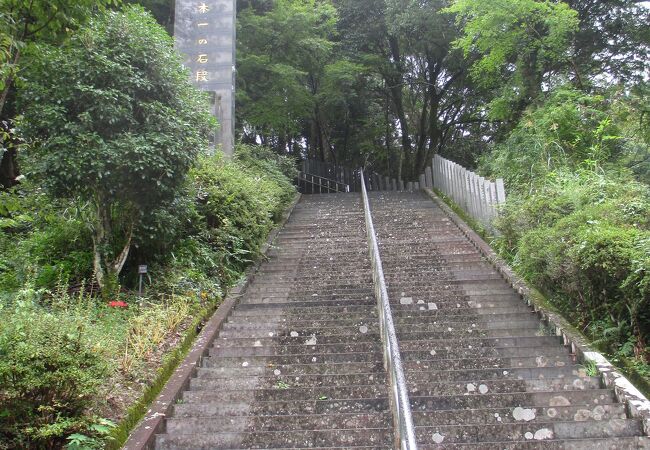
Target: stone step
{"type": "Point", "coordinates": [489, 352]}
{"type": "Point", "coordinates": [408, 352]}
{"type": "Point", "coordinates": [273, 408]}
{"type": "Point", "coordinates": [282, 389]}
{"type": "Point", "coordinates": [617, 443]}
{"type": "Point", "coordinates": [471, 375]}
{"type": "Point", "coordinates": [305, 380]}
{"type": "Point", "coordinates": [492, 362]}
{"type": "Point", "coordinates": [215, 424]}
{"type": "Point", "coordinates": [462, 333]}
{"type": "Point", "coordinates": [470, 319]}
{"type": "Point", "coordinates": [267, 340]}
{"type": "Point", "coordinates": [270, 350]}
{"type": "Point", "coordinates": [539, 431]}
{"type": "Point", "coordinates": [361, 312]}
{"type": "Point", "coordinates": [282, 360]}
{"type": "Point", "coordinates": [295, 369]}
{"type": "Point", "coordinates": [476, 342]}
{"type": "Point", "coordinates": [276, 302]}
{"type": "Point", "coordinates": [542, 355]}
{"type": "Point", "coordinates": [264, 330]}
{"type": "Point", "coordinates": [307, 328]}
{"type": "Point", "coordinates": [277, 439]}
{"type": "Point", "coordinates": [208, 392]}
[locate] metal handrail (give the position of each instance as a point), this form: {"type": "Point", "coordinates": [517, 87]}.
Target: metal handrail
{"type": "Point", "coordinates": [302, 176]}
{"type": "Point", "coordinates": [399, 398]}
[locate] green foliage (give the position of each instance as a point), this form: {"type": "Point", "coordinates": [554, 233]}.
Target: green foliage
{"type": "Point", "coordinates": [239, 201]}
{"type": "Point", "coordinates": [112, 113]}
{"type": "Point", "coordinates": [50, 370]}
{"type": "Point", "coordinates": [584, 238]}
{"type": "Point", "coordinates": [517, 41]}
{"type": "Point", "coordinates": [27, 21]}
{"type": "Point", "coordinates": [282, 55]}
{"type": "Point", "coordinates": [114, 122]}
{"type": "Point", "coordinates": [211, 232]}
{"type": "Point", "coordinates": [570, 129]}
{"type": "Point", "coordinates": [41, 241]}
{"type": "Point", "coordinates": [97, 434]}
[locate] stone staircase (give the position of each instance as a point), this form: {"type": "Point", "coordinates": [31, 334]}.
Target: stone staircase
{"type": "Point", "coordinates": [483, 372]}
{"type": "Point", "coordinates": [299, 362]}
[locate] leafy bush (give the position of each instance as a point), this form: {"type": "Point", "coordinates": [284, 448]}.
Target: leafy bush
{"type": "Point", "coordinates": [584, 238]}
{"type": "Point", "coordinates": [50, 370]}
{"type": "Point", "coordinates": [239, 201]}
{"type": "Point", "coordinates": [570, 130]}
{"type": "Point", "coordinates": [41, 241]}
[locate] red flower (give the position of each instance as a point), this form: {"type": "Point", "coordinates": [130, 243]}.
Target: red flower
{"type": "Point", "coordinates": [118, 304]}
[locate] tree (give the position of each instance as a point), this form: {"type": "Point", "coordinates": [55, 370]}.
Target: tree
{"type": "Point", "coordinates": [283, 55]}
{"type": "Point", "coordinates": [613, 39]}
{"type": "Point", "coordinates": [114, 122]}
{"type": "Point", "coordinates": [518, 43]}
{"type": "Point", "coordinates": [23, 22]}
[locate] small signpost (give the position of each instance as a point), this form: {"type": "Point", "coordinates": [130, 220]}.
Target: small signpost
{"type": "Point", "coordinates": [142, 271]}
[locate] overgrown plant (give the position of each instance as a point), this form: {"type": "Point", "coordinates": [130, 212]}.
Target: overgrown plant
{"type": "Point", "coordinates": [108, 119]}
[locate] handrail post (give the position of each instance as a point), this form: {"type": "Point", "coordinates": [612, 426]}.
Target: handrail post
{"type": "Point", "coordinates": [398, 395]}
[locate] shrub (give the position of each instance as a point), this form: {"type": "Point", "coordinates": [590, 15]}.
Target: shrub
{"type": "Point", "coordinates": [50, 370]}
{"type": "Point", "coordinates": [569, 130]}
{"type": "Point", "coordinates": [239, 201]}
{"type": "Point", "coordinates": [114, 122]}
{"type": "Point", "coordinates": [584, 239]}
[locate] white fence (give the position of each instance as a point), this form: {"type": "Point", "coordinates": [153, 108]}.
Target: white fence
{"type": "Point", "coordinates": [478, 197]}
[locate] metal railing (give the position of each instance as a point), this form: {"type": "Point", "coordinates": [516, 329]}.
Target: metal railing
{"type": "Point", "coordinates": [315, 184]}
{"type": "Point", "coordinates": [399, 399]}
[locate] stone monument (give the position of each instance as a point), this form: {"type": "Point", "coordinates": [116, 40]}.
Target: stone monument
{"type": "Point", "coordinates": [204, 33]}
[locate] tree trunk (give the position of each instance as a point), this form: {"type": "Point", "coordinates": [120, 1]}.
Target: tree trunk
{"type": "Point", "coordinates": [107, 266]}
{"type": "Point", "coordinates": [9, 79]}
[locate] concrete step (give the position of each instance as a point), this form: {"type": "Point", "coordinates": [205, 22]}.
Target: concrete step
{"type": "Point", "coordinates": [520, 414]}
{"type": "Point", "coordinates": [273, 339]}
{"type": "Point", "coordinates": [492, 373]}
{"type": "Point", "coordinates": [305, 380]}
{"type": "Point", "coordinates": [485, 352]}
{"type": "Point", "coordinates": [370, 310]}
{"type": "Point", "coordinates": [207, 392]}
{"type": "Point", "coordinates": [479, 321]}
{"type": "Point", "coordinates": [463, 333]}
{"type": "Point", "coordinates": [329, 368]}
{"type": "Point", "coordinates": [492, 362]}
{"type": "Point", "coordinates": [288, 359]}
{"type": "Point", "coordinates": [264, 330]}
{"type": "Point", "coordinates": [320, 349]}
